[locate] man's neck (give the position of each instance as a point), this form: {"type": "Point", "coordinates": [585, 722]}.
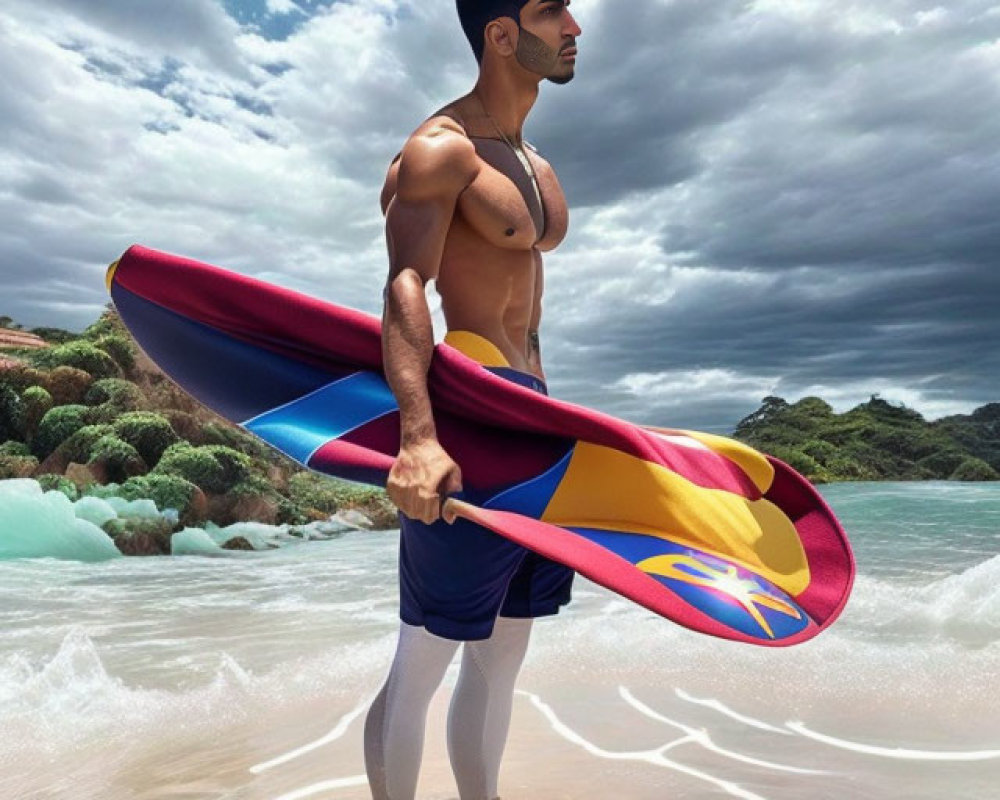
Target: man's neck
{"type": "Point", "coordinates": [506, 99]}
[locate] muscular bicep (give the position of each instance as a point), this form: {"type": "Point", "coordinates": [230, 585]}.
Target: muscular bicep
{"type": "Point", "coordinates": [415, 234]}
{"type": "Point", "coordinates": [433, 169]}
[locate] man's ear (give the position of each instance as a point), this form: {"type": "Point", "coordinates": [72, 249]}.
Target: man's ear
{"type": "Point", "coordinates": [501, 34]}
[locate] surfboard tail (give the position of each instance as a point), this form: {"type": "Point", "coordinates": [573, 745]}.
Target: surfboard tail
{"type": "Point", "coordinates": [722, 591]}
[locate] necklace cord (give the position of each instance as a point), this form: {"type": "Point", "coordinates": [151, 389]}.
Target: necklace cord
{"type": "Point", "coordinates": [518, 151]}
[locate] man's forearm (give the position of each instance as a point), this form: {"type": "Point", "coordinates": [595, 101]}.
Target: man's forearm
{"type": "Point", "coordinates": [407, 348]}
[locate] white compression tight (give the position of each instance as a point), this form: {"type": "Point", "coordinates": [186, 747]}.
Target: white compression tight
{"type": "Point", "coordinates": [478, 719]}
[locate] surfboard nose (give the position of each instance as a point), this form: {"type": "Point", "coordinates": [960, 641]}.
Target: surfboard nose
{"type": "Point", "coordinates": [110, 275]}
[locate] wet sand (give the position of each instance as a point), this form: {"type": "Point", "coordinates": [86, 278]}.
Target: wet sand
{"type": "Point", "coordinates": [631, 744]}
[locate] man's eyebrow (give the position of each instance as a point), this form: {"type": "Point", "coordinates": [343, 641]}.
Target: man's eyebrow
{"type": "Point", "coordinates": [553, 2]}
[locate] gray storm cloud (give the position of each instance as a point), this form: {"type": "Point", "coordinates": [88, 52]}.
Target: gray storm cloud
{"type": "Point", "coordinates": [765, 197]}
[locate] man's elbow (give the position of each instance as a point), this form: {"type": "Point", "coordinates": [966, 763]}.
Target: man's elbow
{"type": "Point", "coordinates": [403, 286]}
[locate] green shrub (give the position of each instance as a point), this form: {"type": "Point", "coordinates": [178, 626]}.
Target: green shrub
{"type": "Point", "coordinates": [56, 426]}
{"type": "Point", "coordinates": [819, 450]}
{"type": "Point", "coordinates": [67, 385]}
{"type": "Point", "coordinates": [54, 335]}
{"type": "Point", "coordinates": [11, 413]}
{"type": "Point", "coordinates": [120, 348]}
{"type": "Point", "coordinates": [797, 460]}
{"type": "Point", "coordinates": [879, 462]}
{"type": "Point", "coordinates": [909, 442]}
{"type": "Point", "coordinates": [914, 472]}
{"type": "Point", "coordinates": [37, 401]}
{"type": "Point", "coordinates": [847, 429]}
{"type": "Point", "coordinates": [116, 393]}
{"type": "Point", "coordinates": [259, 486]}
{"type": "Point", "coordinates": [80, 446]}
{"type": "Point", "coordinates": [974, 469]}
{"type": "Point", "coordinates": [103, 414]}
{"type": "Point", "coordinates": [36, 394]}
{"type": "Point", "coordinates": [812, 407]}
{"type": "Point", "coordinates": [20, 376]}
{"type": "Point", "coordinates": [234, 438]}
{"type": "Point", "coordinates": [108, 323]}
{"type": "Point", "coordinates": [252, 486]}
{"type": "Point", "coordinates": [309, 489]}
{"type": "Point", "coordinates": [80, 354]}
{"type": "Point", "coordinates": [943, 463]}
{"type": "Point", "coordinates": [806, 415]}
{"type": "Point", "coordinates": [236, 466]}
{"type": "Point", "coordinates": [289, 513]}
{"type": "Point", "coordinates": [884, 411]}
{"type": "Point", "coordinates": [17, 466]}
{"type": "Point", "coordinates": [148, 432]}
{"type": "Point", "coordinates": [212, 468]}
{"type": "Point", "coordinates": [167, 491]}
{"type": "Point", "coordinates": [120, 458]}
{"type": "Point", "coordinates": [978, 433]}
{"type": "Point", "coordinates": [847, 469]}
{"type": "Point", "coordinates": [60, 483]}
{"type": "Point", "coordinates": [14, 448]}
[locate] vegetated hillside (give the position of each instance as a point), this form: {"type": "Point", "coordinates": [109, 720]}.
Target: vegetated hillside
{"type": "Point", "coordinates": [875, 441]}
{"type": "Point", "coordinates": [81, 411]}
{"type": "Point", "coordinates": [978, 432]}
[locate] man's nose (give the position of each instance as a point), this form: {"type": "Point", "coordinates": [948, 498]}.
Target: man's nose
{"type": "Point", "coordinates": [571, 28]}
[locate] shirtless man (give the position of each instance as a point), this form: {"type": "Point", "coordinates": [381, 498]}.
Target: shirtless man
{"type": "Point", "coordinates": [468, 205]}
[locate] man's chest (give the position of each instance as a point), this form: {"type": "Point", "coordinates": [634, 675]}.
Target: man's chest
{"type": "Point", "coordinates": [515, 198]}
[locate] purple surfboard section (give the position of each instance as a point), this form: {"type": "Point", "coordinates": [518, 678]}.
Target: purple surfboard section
{"type": "Point", "coordinates": [305, 375]}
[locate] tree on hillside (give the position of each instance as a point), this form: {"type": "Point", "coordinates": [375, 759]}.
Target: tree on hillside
{"type": "Point", "coordinates": [771, 407]}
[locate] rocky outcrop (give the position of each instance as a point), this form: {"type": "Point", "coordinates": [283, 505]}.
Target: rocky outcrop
{"type": "Point", "coordinates": [225, 509]}
{"type": "Point", "coordinates": [140, 536]}
{"type": "Point", "coordinates": [143, 544]}
{"type": "Point", "coordinates": [379, 511]}
{"type": "Point", "coordinates": [197, 511]}
{"type": "Point", "coordinates": [237, 543]}
{"type": "Point", "coordinates": [84, 475]}
{"type": "Point", "coordinates": [260, 509]}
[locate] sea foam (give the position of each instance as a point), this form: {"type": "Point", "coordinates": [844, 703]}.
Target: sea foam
{"type": "Point", "coordinates": [37, 524]}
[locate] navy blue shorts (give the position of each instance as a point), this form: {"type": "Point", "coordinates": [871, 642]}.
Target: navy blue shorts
{"type": "Point", "coordinates": [455, 580]}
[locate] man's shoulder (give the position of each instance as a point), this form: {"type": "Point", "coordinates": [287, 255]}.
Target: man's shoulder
{"type": "Point", "coordinates": [438, 155]}
{"type": "Point", "coordinates": [440, 122]}
{"type": "Point", "coordinates": [433, 128]}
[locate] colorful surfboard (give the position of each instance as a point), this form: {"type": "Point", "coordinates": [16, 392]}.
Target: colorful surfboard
{"type": "Point", "coordinates": [698, 528]}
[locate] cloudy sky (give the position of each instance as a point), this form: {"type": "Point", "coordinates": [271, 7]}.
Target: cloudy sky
{"type": "Point", "coordinates": [785, 197]}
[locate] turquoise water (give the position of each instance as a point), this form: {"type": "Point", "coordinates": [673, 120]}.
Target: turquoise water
{"type": "Point", "coordinates": [177, 677]}
{"type": "Point", "coordinates": [917, 531]}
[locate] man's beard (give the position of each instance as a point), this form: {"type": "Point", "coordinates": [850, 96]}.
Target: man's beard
{"type": "Point", "coordinates": [536, 56]}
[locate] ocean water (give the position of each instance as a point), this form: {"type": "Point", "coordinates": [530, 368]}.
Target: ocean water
{"type": "Point", "coordinates": [223, 674]}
